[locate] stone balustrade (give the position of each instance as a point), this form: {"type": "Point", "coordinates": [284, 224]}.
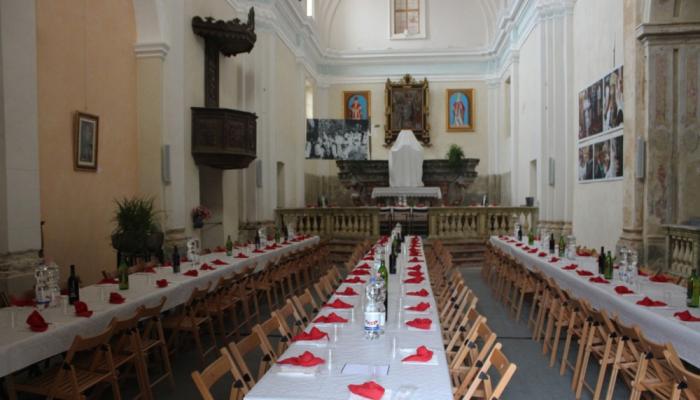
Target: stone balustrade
{"type": "Point", "coordinates": [357, 222]}
{"type": "Point", "coordinates": [478, 222]}
{"type": "Point", "coordinates": [682, 249]}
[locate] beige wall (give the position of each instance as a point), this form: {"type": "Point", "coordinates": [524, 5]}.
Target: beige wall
{"type": "Point", "coordinates": [85, 63]}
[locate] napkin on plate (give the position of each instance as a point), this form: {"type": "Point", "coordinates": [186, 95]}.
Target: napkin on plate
{"type": "Point", "coordinates": [339, 304]}
{"type": "Point", "coordinates": [554, 259]}
{"type": "Point", "coordinates": [647, 302]}
{"type": "Point", "coordinates": [414, 280]}
{"type": "Point", "coordinates": [420, 293]}
{"type": "Point", "coordinates": [622, 289]}
{"type": "Point", "coordinates": [420, 323]}
{"type": "Point", "coordinates": [206, 267]}
{"type": "Point", "coordinates": [369, 390]}
{"type": "Point", "coordinates": [542, 254]}
{"type": "Point", "coordinates": [422, 355]}
{"type": "Point", "coordinates": [518, 245]}
{"type": "Point", "coordinates": [422, 306]}
{"type": "Point", "coordinates": [331, 318]}
{"type": "Point", "coordinates": [354, 279]}
{"type": "Point", "coordinates": [306, 359]}
{"type": "Point", "coordinates": [415, 273]}
{"type": "Point", "coordinates": [241, 255]}
{"type": "Point", "coordinates": [161, 283]}
{"type": "Point", "coordinates": [192, 272]}
{"type": "Point", "coordinates": [686, 316]}
{"type": "Point", "coordinates": [598, 279]}
{"type": "Point", "coordinates": [583, 272]}
{"type": "Point", "coordinates": [571, 267]}
{"type": "Point", "coordinates": [347, 292]}
{"type": "Point", "coordinates": [82, 310]}
{"type": "Point", "coordinates": [36, 322]}
{"type": "Point", "coordinates": [218, 262]}
{"type": "Point", "coordinates": [359, 272]}
{"type": "Point", "coordinates": [313, 334]}
{"type": "Point", "coordinates": [416, 267]}
{"type": "Point", "coordinates": [660, 278]}
{"type": "Point", "coordinates": [108, 281]}
{"type": "Point", "coordinates": [116, 298]}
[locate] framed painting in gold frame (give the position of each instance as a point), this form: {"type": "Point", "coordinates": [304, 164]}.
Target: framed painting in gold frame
{"type": "Point", "coordinates": [459, 110]}
{"type": "Point", "coordinates": [407, 106]}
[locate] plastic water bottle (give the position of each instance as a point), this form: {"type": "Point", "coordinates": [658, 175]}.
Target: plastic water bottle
{"type": "Point", "coordinates": [372, 312]}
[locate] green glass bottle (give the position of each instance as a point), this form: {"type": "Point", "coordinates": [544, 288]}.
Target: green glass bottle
{"type": "Point", "coordinates": [123, 276]}
{"type": "Point", "coordinates": [384, 273]}
{"type": "Point", "coordinates": [277, 235]}
{"type": "Point", "coordinates": [531, 237]}
{"type": "Point", "coordinates": [694, 290]}
{"type": "Point", "coordinates": [609, 266]}
{"type": "Point", "coordinates": [562, 246]}
{"type": "Point", "coordinates": [229, 246]}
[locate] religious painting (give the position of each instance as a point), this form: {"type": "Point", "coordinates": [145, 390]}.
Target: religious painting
{"type": "Point", "coordinates": [357, 105]}
{"type": "Point", "coordinates": [460, 110]}
{"type": "Point", "coordinates": [85, 137]}
{"type": "Point", "coordinates": [337, 139]}
{"type": "Point", "coordinates": [406, 107]}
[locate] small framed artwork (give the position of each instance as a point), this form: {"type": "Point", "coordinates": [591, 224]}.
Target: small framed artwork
{"type": "Point", "coordinates": [357, 105]}
{"type": "Point", "coordinates": [86, 128]}
{"type": "Point", "coordinates": [460, 110]}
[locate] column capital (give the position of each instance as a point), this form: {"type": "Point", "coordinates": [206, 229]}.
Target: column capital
{"type": "Point", "coordinates": [150, 50]}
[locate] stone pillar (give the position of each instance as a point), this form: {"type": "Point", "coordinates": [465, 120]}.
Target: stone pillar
{"type": "Point", "coordinates": [20, 212]}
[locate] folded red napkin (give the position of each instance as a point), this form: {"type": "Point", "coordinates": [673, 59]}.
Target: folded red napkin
{"type": "Point", "coordinates": [149, 270]}
{"type": "Point", "coordinates": [307, 359]}
{"type": "Point", "coordinates": [218, 262]}
{"type": "Point", "coordinates": [422, 306]}
{"type": "Point", "coordinates": [116, 298]}
{"type": "Point", "coordinates": [269, 247]}
{"type": "Point", "coordinates": [532, 251]}
{"type": "Point", "coordinates": [417, 279]}
{"type": "Point", "coordinates": [364, 266]}
{"type": "Point", "coordinates": [331, 318]}
{"type": "Point", "coordinates": [82, 310]}
{"type": "Point", "coordinates": [241, 255]}
{"type": "Point", "coordinates": [642, 273]}
{"type": "Point", "coordinates": [108, 281]}
{"type": "Point", "coordinates": [22, 302]}
{"type": "Point", "coordinates": [623, 290]}
{"type": "Point", "coordinates": [420, 323]}
{"type": "Point", "coordinates": [313, 334]}
{"type": "Point", "coordinates": [583, 272]}
{"type": "Point", "coordinates": [422, 355]}
{"type": "Point", "coordinates": [167, 264]}
{"type": "Point", "coordinates": [420, 293]}
{"type": "Point", "coordinates": [598, 279]}
{"type": "Point", "coordinates": [571, 267]}
{"type": "Point", "coordinates": [339, 304]}
{"type": "Point", "coordinates": [161, 283]}
{"type": "Point", "coordinates": [360, 272]}
{"type": "Point", "coordinates": [686, 316]}
{"type": "Point", "coordinates": [219, 249]}
{"type": "Point", "coordinates": [554, 259]}
{"type": "Point", "coordinates": [518, 245]}
{"type": "Point", "coordinates": [354, 279]}
{"type": "Point", "coordinates": [542, 254]}
{"type": "Point", "coordinates": [368, 258]}
{"type": "Point", "coordinates": [369, 390]}
{"type": "Point", "coordinates": [347, 292]}
{"type": "Point", "coordinates": [415, 259]}
{"type": "Point", "coordinates": [206, 267]}
{"type": "Point", "coordinates": [415, 273]}
{"type": "Point", "coordinates": [184, 259]}
{"type": "Point", "coordinates": [192, 272]}
{"type": "Point", "coordinates": [415, 268]}
{"type": "Point", "coordinates": [258, 251]}
{"type": "Point", "coordinates": [36, 322]}
{"type": "Point", "coordinates": [647, 302]}
{"type": "Point", "coordinates": [660, 278]}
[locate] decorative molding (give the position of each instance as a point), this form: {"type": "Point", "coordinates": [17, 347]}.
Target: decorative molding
{"type": "Point", "coordinates": [150, 50]}
{"type": "Point", "coordinates": [671, 31]}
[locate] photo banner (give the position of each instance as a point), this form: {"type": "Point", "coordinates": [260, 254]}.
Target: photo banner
{"type": "Point", "coordinates": [337, 139]}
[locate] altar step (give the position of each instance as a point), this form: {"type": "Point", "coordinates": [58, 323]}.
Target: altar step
{"type": "Point", "coordinates": [466, 253]}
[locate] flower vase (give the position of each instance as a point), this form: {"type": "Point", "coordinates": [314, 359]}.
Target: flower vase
{"type": "Point", "coordinates": [197, 222]}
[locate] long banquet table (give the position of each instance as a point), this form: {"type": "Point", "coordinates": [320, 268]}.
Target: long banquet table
{"type": "Point", "coordinates": [658, 323]}
{"type": "Point", "coordinates": [20, 347]}
{"type": "Point", "coordinates": [429, 381]}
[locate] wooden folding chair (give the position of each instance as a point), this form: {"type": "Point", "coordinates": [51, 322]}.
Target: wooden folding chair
{"type": "Point", "coordinates": [688, 383]}
{"type": "Point", "coordinates": [192, 319]}
{"type": "Point", "coordinates": [469, 358]}
{"type": "Point", "coordinates": [221, 305]}
{"type": "Point", "coordinates": [306, 306]}
{"type": "Point", "coordinates": [602, 338]}
{"type": "Point", "coordinates": [288, 318]}
{"type": "Point", "coordinates": [274, 331]}
{"type": "Point", "coordinates": [252, 347]}
{"type": "Point", "coordinates": [214, 372]}
{"type": "Point", "coordinates": [466, 329]}
{"type": "Point", "coordinates": [483, 385]}
{"type": "Point", "coordinates": [127, 350]}
{"type": "Point", "coordinates": [153, 341]}
{"type": "Point", "coordinates": [323, 289]}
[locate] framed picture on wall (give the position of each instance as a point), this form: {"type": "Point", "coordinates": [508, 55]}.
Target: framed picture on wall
{"type": "Point", "coordinates": [460, 110]}
{"type": "Point", "coordinates": [357, 105]}
{"type": "Point", "coordinates": [85, 140]}
{"type": "Point", "coordinates": [406, 107]}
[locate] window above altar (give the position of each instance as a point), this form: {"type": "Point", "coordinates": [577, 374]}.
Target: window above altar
{"type": "Point", "coordinates": [407, 19]}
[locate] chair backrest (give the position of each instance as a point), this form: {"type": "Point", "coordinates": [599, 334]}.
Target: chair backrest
{"type": "Point", "coordinates": [306, 306]}
{"type": "Point", "coordinates": [126, 338]}
{"type": "Point", "coordinates": [153, 327]}
{"type": "Point", "coordinates": [272, 329]}
{"type": "Point", "coordinates": [476, 347]}
{"type": "Point", "coordinates": [289, 321]}
{"type": "Point", "coordinates": [214, 372]}
{"type": "Point", "coordinates": [483, 385]}
{"type": "Point", "coordinates": [323, 289]}
{"type": "Point", "coordinates": [688, 382]}
{"type": "Point", "coordinates": [256, 347]}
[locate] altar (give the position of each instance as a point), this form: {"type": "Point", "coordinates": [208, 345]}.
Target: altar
{"type": "Point", "coordinates": [419, 192]}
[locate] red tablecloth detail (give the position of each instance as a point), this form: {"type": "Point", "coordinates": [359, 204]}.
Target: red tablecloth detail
{"type": "Point", "coordinates": [149, 270]}
{"type": "Point", "coordinates": [414, 280]}
{"type": "Point", "coordinates": [192, 272]}
{"type": "Point", "coordinates": [241, 255]}
{"type": "Point", "coordinates": [571, 267]}
{"type": "Point", "coordinates": [108, 281]}
{"type": "Point", "coordinates": [22, 302]}
{"type": "Point", "coordinates": [359, 272]}
{"type": "Point", "coordinates": [206, 267]}
{"type": "Point", "coordinates": [660, 278]}
{"type": "Point", "coordinates": [219, 262]}
{"type": "Point", "coordinates": [415, 259]}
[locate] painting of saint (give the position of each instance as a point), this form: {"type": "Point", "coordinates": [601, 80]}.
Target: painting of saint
{"type": "Point", "coordinates": [357, 105]}
{"type": "Point", "coordinates": [460, 110]}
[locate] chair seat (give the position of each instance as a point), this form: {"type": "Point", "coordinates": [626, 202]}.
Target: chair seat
{"type": "Point", "coordinates": [43, 384]}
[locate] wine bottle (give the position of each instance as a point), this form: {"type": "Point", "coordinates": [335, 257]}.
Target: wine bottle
{"type": "Point", "coordinates": [123, 276]}
{"type": "Point", "coordinates": [520, 233]}
{"type": "Point", "coordinates": [73, 286]}
{"type": "Point", "coordinates": [601, 261]}
{"type": "Point", "coordinates": [277, 235]}
{"type": "Point", "coordinates": [609, 266]}
{"type": "Point", "coordinates": [176, 260]}
{"type": "Point", "coordinates": [229, 246]}
{"type": "Point", "coordinates": [562, 246]}
{"type": "Point", "coordinates": [257, 239]}
{"type": "Point", "coordinates": [552, 243]}
{"type": "Point", "coordinates": [693, 296]}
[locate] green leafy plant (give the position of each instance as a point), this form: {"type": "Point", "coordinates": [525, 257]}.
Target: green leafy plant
{"type": "Point", "coordinates": [136, 220]}
{"type": "Point", "coordinates": [455, 155]}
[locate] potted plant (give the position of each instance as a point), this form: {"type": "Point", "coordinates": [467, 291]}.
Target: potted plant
{"type": "Point", "coordinates": [137, 231]}
{"type": "Point", "coordinates": [199, 215]}
{"type": "Point", "coordinates": [455, 154]}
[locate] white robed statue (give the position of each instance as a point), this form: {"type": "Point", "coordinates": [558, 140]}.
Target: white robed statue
{"type": "Point", "coordinates": [406, 161]}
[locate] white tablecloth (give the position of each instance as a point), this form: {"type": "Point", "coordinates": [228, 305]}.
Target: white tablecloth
{"type": "Point", "coordinates": [20, 347]}
{"type": "Point", "coordinates": [430, 382]}
{"type": "Point", "coordinates": [425, 191]}
{"type": "Point", "coordinates": [658, 323]}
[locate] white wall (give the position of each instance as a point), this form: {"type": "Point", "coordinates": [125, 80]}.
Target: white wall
{"type": "Point", "coordinates": [598, 28]}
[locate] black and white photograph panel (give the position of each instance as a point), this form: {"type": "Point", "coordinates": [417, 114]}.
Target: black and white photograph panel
{"type": "Point", "coordinates": [337, 139]}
